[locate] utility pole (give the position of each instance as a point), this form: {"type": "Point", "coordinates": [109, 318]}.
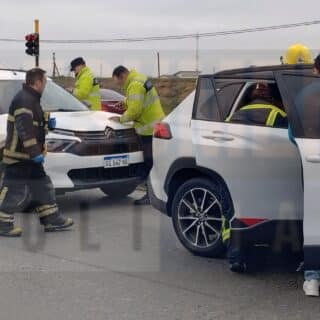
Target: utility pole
{"type": "Point", "coordinates": [101, 70]}
{"type": "Point", "coordinates": [197, 52]}
{"type": "Point", "coordinates": [55, 70]}
{"type": "Point", "coordinates": [159, 70]}
{"type": "Point", "coordinates": [36, 30]}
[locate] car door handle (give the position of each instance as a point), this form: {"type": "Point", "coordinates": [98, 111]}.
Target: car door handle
{"type": "Point", "coordinates": [313, 158]}
{"type": "Point", "coordinates": [219, 137]}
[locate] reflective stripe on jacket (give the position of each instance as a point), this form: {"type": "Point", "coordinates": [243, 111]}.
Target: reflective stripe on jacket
{"type": "Point", "coordinates": [261, 114]}
{"type": "Point", "coordinates": [87, 89]}
{"type": "Point", "coordinates": [143, 106]}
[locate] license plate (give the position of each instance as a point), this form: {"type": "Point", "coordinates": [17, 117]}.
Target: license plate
{"type": "Point", "coordinates": [116, 161]}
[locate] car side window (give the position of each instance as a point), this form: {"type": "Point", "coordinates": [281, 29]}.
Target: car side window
{"type": "Point", "coordinates": [258, 116]}
{"type": "Point", "coordinates": [206, 106]}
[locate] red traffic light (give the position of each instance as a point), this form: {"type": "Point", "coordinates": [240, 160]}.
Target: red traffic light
{"type": "Point", "coordinates": [30, 37]}
{"type": "Point", "coordinates": [32, 44]}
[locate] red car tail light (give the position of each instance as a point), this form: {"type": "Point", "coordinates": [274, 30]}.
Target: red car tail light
{"type": "Point", "coordinates": [162, 131]}
{"type": "Point", "coordinates": [252, 221]}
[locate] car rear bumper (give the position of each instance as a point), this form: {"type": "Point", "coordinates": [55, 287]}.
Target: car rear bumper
{"type": "Point", "coordinates": [156, 202]}
{"type": "Point", "coordinates": [279, 235]}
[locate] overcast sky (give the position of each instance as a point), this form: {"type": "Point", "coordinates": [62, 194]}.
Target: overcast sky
{"type": "Point", "coordinates": [104, 19]}
{"type": "Point", "coordinates": [65, 19]}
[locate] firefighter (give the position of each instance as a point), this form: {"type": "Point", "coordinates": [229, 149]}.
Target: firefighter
{"type": "Point", "coordinates": [25, 180]}
{"type": "Point", "coordinates": [87, 87]}
{"type": "Point", "coordinates": [316, 66]}
{"type": "Point", "coordinates": [143, 107]}
{"type": "Point", "coordinates": [311, 265]}
{"type": "Point", "coordinates": [261, 110]}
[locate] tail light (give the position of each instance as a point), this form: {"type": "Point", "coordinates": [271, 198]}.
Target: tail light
{"type": "Point", "coordinates": [252, 221]}
{"type": "Point", "coordinates": [162, 131]}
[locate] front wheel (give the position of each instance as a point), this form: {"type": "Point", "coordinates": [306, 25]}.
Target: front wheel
{"type": "Point", "coordinates": [118, 191]}
{"type": "Point", "coordinates": [197, 217]}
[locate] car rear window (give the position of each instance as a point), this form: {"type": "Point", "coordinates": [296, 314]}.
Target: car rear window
{"type": "Point", "coordinates": [206, 106]}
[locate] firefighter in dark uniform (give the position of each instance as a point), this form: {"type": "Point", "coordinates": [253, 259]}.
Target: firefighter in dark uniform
{"type": "Point", "coordinates": [261, 110]}
{"type": "Point", "coordinates": [25, 180]}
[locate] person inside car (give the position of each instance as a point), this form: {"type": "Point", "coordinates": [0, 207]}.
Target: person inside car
{"type": "Point", "coordinates": [261, 110]}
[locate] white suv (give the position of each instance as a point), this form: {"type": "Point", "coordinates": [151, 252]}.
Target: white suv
{"type": "Point", "coordinates": [207, 169]}
{"type": "Point", "coordinates": [86, 150]}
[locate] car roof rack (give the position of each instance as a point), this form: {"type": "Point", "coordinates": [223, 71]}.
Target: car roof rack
{"type": "Point", "coordinates": [259, 72]}
{"type": "Point", "coordinates": [267, 68]}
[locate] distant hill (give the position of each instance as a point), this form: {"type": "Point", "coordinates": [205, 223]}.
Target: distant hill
{"type": "Point", "coordinates": [171, 91]}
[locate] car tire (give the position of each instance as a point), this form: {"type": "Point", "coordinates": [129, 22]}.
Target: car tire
{"type": "Point", "coordinates": [118, 191]}
{"type": "Point", "coordinates": [199, 229]}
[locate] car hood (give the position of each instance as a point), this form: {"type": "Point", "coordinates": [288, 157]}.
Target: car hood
{"type": "Point", "coordinates": [87, 121]}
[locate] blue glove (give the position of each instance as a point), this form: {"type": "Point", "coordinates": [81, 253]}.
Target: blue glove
{"type": "Point", "coordinates": [38, 159]}
{"type": "Point", "coordinates": [52, 123]}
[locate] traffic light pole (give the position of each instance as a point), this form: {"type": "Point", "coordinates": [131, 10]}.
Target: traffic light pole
{"type": "Point", "coordinates": [36, 30]}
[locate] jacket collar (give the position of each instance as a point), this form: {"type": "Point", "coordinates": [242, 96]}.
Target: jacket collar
{"type": "Point", "coordinates": [131, 76]}
{"type": "Point", "coordinates": [33, 92]}
{"type": "Point", "coordinates": [82, 71]}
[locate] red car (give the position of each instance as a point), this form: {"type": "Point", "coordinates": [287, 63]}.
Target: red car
{"type": "Point", "coordinates": [111, 101]}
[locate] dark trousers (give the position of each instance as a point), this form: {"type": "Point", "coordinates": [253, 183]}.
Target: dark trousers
{"type": "Point", "coordinates": [26, 184]}
{"type": "Point", "coordinates": [146, 144]}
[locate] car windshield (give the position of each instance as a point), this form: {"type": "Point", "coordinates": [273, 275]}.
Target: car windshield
{"type": "Point", "coordinates": [54, 98]}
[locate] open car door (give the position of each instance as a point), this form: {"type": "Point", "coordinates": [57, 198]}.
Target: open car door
{"type": "Point", "coordinates": [300, 91]}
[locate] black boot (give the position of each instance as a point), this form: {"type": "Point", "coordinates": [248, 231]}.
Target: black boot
{"type": "Point", "coordinates": [7, 229]}
{"type": "Point", "coordinates": [143, 201]}
{"type": "Point", "coordinates": [238, 266]}
{"type": "Point", "coordinates": [56, 222]}
{"type": "Point", "coordinates": [237, 262]}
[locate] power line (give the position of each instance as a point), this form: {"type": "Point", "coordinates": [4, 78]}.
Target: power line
{"type": "Point", "coordinates": [176, 37]}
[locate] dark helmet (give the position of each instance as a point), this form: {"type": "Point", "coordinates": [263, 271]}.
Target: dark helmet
{"type": "Point", "coordinates": [76, 62]}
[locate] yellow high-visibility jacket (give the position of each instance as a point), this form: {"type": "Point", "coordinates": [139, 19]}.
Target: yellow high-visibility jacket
{"type": "Point", "coordinates": [87, 89]}
{"type": "Point", "coordinates": [142, 104]}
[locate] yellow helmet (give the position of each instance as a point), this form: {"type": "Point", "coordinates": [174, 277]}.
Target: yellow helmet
{"type": "Point", "coordinates": [298, 54]}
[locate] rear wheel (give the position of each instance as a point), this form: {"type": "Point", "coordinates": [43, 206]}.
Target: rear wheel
{"type": "Point", "coordinates": [197, 217]}
{"type": "Point", "coordinates": [118, 191]}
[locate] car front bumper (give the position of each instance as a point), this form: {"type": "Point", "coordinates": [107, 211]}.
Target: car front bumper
{"type": "Point", "coordinates": [68, 171]}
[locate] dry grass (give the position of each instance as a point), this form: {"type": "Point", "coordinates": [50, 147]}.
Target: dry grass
{"type": "Point", "coordinates": [171, 91]}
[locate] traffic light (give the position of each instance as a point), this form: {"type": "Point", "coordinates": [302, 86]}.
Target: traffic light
{"type": "Point", "coordinates": [32, 44]}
